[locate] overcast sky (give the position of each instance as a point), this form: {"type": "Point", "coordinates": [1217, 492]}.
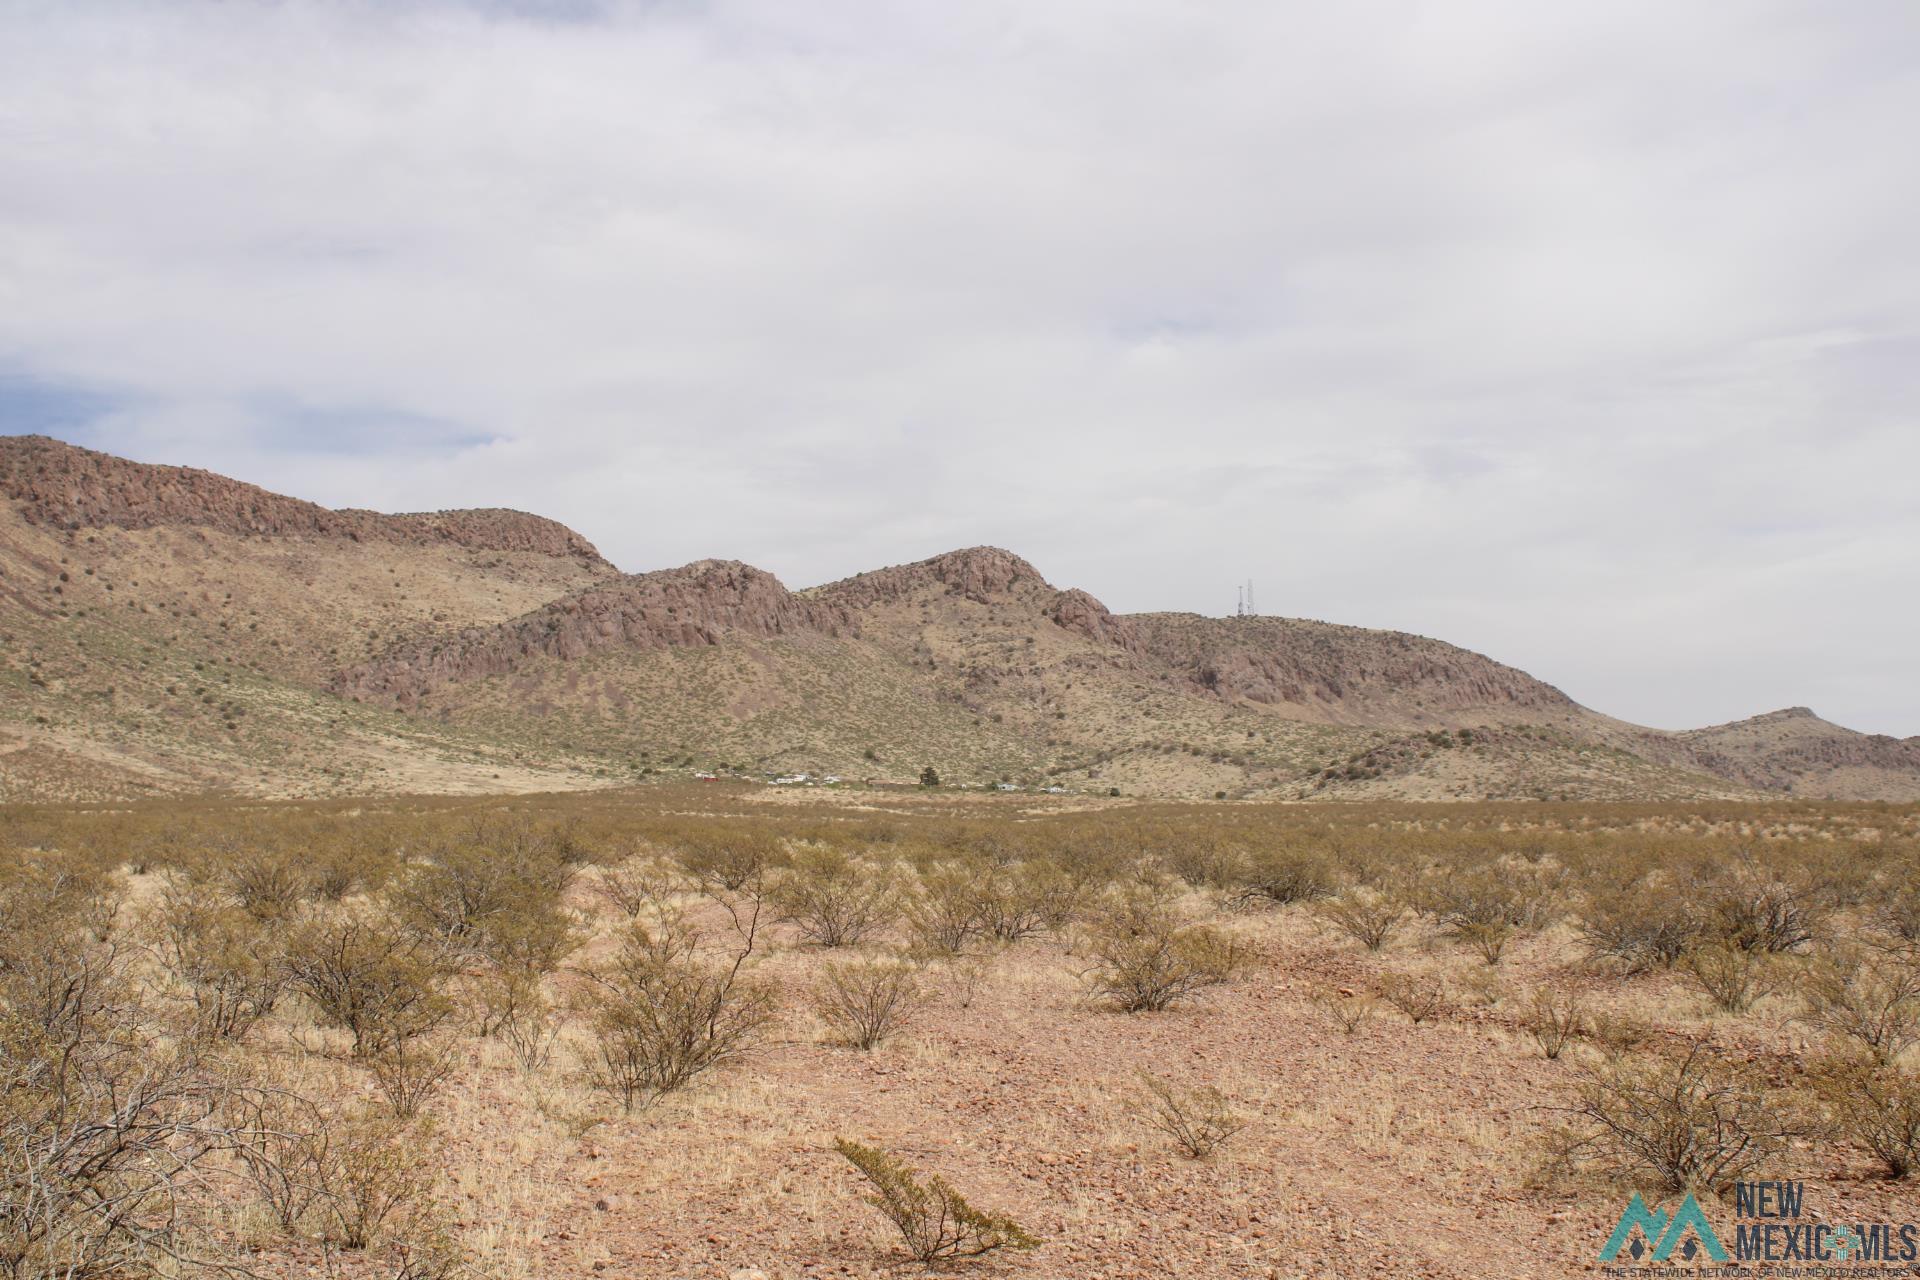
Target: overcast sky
{"type": "Point", "coordinates": [1586, 335]}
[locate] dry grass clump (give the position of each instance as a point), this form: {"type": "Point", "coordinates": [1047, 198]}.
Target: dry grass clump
{"type": "Point", "coordinates": [935, 1221]}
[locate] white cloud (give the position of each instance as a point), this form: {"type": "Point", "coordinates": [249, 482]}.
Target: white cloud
{"type": "Point", "coordinates": [1583, 334]}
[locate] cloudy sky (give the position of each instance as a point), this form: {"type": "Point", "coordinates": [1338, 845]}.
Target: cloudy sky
{"type": "Point", "coordinates": [1586, 335]}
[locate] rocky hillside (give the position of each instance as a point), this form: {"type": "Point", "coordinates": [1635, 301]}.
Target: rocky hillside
{"type": "Point", "coordinates": [168, 629]}
{"type": "Point", "coordinates": [58, 485]}
{"type": "Point", "coordinates": [1795, 751]}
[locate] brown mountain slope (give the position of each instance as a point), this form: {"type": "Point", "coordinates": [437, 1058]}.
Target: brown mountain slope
{"type": "Point", "coordinates": [60, 485]}
{"type": "Point", "coordinates": [167, 629]}
{"type": "Point", "coordinates": [1796, 751]}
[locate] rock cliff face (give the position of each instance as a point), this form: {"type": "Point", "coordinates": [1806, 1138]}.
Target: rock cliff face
{"type": "Point", "coordinates": [698, 604]}
{"type": "Point", "coordinates": [1344, 670]}
{"type": "Point", "coordinates": [66, 487]}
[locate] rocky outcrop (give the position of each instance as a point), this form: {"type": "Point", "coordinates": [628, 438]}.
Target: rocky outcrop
{"type": "Point", "coordinates": [984, 575]}
{"type": "Point", "coordinates": [66, 487]}
{"type": "Point", "coordinates": [698, 604]}
{"type": "Point", "coordinates": [1079, 612]}
{"type": "Point", "coordinates": [1350, 673]}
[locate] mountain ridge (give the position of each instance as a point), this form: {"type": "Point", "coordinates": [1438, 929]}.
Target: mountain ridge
{"type": "Point", "coordinates": [173, 625]}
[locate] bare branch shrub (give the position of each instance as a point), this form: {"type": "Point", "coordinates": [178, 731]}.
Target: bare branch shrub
{"type": "Point", "coordinates": [1347, 1009]}
{"type": "Point", "coordinates": [1875, 1105]}
{"type": "Point", "coordinates": [1554, 1020]}
{"type": "Point", "coordinates": [865, 1002]}
{"type": "Point", "coordinates": [1874, 1002]}
{"type": "Point", "coordinates": [1732, 977]}
{"type": "Point", "coordinates": [1367, 915]}
{"type": "Point", "coordinates": [834, 899]}
{"type": "Point", "coordinates": [1686, 1120]}
{"type": "Point", "coordinates": [1420, 996]}
{"type": "Point", "coordinates": [662, 1014]}
{"type": "Point", "coordinates": [1199, 1121]}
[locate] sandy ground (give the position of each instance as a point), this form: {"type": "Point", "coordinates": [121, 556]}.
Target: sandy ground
{"type": "Point", "coordinates": [1400, 1150]}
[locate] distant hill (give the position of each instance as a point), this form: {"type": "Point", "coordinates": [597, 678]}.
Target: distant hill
{"type": "Point", "coordinates": [171, 630]}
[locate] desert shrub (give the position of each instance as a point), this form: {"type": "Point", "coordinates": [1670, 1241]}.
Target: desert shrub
{"type": "Point", "coordinates": [1198, 1121]}
{"type": "Point", "coordinates": [865, 1002]}
{"type": "Point", "coordinates": [728, 859]}
{"type": "Point", "coordinates": [1347, 1009]}
{"type": "Point", "coordinates": [1875, 1105]}
{"type": "Point", "coordinates": [1895, 916]}
{"type": "Point", "coordinates": [1554, 1020]}
{"type": "Point", "coordinates": [410, 1064]}
{"type": "Point", "coordinates": [1732, 977]}
{"type": "Point", "coordinates": [1284, 874]}
{"type": "Point", "coordinates": [1022, 899]}
{"type": "Point", "coordinates": [378, 1178]}
{"type": "Point", "coordinates": [515, 952]}
{"type": "Point", "coordinates": [662, 1014]}
{"type": "Point", "coordinates": [944, 911]}
{"type": "Point", "coordinates": [834, 899]}
{"type": "Point", "coordinates": [228, 960]}
{"type": "Point", "coordinates": [1418, 995]}
{"type": "Point", "coordinates": [108, 1134]}
{"type": "Point", "coordinates": [1204, 859]}
{"type": "Point", "coordinates": [268, 882]}
{"type": "Point", "coordinates": [1643, 923]}
{"type": "Point", "coordinates": [1367, 915]}
{"type": "Point", "coordinates": [467, 891]}
{"type": "Point", "coordinates": [370, 978]}
{"type": "Point", "coordinates": [1485, 903]}
{"type": "Point", "coordinates": [637, 885]}
{"type": "Point", "coordinates": [1872, 1001]}
{"type": "Point", "coordinates": [934, 1221]}
{"type": "Point", "coordinates": [284, 1143]}
{"type": "Point", "coordinates": [60, 966]}
{"type": "Point", "coordinates": [1757, 907]}
{"type": "Point", "coordinates": [1617, 1034]}
{"type": "Point", "coordinates": [1145, 958]}
{"type": "Point", "coordinates": [1682, 1120]}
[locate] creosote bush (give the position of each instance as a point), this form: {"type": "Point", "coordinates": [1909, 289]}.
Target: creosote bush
{"type": "Point", "coordinates": [1691, 1119]}
{"type": "Point", "coordinates": [1871, 1001]}
{"type": "Point", "coordinates": [662, 1013]}
{"type": "Point", "coordinates": [934, 1221]}
{"type": "Point", "coordinates": [1145, 958]}
{"type": "Point", "coordinates": [1873, 1104]}
{"type": "Point", "coordinates": [1368, 915]}
{"type": "Point", "coordinates": [1554, 1020]}
{"type": "Point", "coordinates": [1199, 1121]}
{"type": "Point", "coordinates": [834, 899]}
{"type": "Point", "coordinates": [866, 1002]}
